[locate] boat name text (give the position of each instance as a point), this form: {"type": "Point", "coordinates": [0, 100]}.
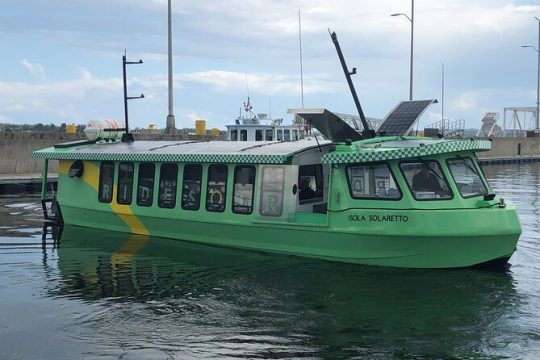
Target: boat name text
{"type": "Point", "coordinates": [379, 218]}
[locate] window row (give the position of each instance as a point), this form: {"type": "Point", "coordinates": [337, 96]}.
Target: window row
{"type": "Point", "coordinates": [425, 180]}
{"type": "Point", "coordinates": [216, 186]}
{"type": "Point", "coordinates": [268, 135]}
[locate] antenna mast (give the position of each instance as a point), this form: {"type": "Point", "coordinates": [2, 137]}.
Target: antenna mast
{"type": "Point", "coordinates": [368, 131]}
{"type": "Point", "coordinates": [301, 62]}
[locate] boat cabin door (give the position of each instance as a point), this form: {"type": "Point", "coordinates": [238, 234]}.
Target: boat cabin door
{"type": "Point", "coordinates": [277, 199]}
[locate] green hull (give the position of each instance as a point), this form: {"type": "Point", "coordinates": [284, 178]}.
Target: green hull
{"type": "Point", "coordinates": [449, 247]}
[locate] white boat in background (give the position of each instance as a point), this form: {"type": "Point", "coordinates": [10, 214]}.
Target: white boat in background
{"type": "Point", "coordinates": [249, 127]}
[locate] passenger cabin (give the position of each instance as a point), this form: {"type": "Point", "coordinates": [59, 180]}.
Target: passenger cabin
{"type": "Point", "coordinates": [296, 182]}
{"type": "Point", "coordinates": [273, 180]}
{"type": "Point", "coordinates": [282, 181]}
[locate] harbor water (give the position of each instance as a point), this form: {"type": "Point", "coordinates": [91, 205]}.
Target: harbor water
{"type": "Point", "coordinates": [77, 293]}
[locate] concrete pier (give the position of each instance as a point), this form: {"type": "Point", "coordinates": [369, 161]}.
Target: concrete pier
{"type": "Point", "coordinates": [15, 148]}
{"type": "Point", "coordinates": [25, 183]}
{"type": "Point", "coordinates": [512, 147]}
{"type": "Point", "coordinates": [508, 160]}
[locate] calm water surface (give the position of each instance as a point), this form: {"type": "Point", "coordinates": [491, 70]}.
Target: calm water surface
{"type": "Point", "coordinates": [94, 294]}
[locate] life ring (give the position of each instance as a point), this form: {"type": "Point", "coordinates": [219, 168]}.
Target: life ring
{"type": "Point", "coordinates": [216, 196]}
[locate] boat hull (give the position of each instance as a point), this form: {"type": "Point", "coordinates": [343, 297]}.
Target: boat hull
{"type": "Point", "coordinates": [480, 235]}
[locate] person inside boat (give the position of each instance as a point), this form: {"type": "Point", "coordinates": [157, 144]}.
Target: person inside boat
{"type": "Point", "coordinates": [306, 192]}
{"type": "Point", "coordinates": [426, 180]}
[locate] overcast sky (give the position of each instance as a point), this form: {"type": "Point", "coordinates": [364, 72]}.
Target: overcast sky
{"type": "Point", "coordinates": [62, 60]}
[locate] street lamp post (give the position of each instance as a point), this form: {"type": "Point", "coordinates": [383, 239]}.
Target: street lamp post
{"type": "Point", "coordinates": [127, 136]}
{"type": "Point", "coordinates": [537, 49]}
{"type": "Point", "coordinates": [170, 127]}
{"type": "Point", "coordinates": [411, 19]}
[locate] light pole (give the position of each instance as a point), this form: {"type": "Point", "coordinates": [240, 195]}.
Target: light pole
{"type": "Point", "coordinates": [537, 49]}
{"type": "Point", "coordinates": [411, 19]}
{"type": "Point", "coordinates": [128, 137]}
{"type": "Point", "coordinates": [170, 127]}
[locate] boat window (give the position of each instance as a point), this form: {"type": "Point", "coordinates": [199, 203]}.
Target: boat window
{"type": "Point", "coordinates": [167, 186]}
{"type": "Point", "coordinates": [125, 183]}
{"type": "Point", "coordinates": [426, 180]}
{"type": "Point", "coordinates": [106, 180]}
{"type": "Point", "coordinates": [244, 185]}
{"type": "Point", "coordinates": [234, 135]}
{"type": "Point", "coordinates": [145, 184]}
{"type": "Point", "coordinates": [191, 188]}
{"type": "Point", "coordinates": [272, 191]}
{"type": "Point", "coordinates": [295, 135]}
{"type": "Point", "coordinates": [269, 135]}
{"type": "Point", "coordinates": [467, 177]}
{"type": "Point", "coordinates": [216, 188]}
{"type": "Point", "coordinates": [243, 135]}
{"type": "Point", "coordinates": [310, 184]}
{"type": "Point", "coordinates": [76, 169]}
{"type": "Point", "coordinates": [258, 135]}
{"type": "Point", "coordinates": [280, 135]}
{"type": "Point", "coordinates": [287, 135]}
{"type": "Point", "coordinates": [372, 181]}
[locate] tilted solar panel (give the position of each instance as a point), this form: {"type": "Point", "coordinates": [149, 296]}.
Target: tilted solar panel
{"type": "Point", "coordinates": [329, 124]}
{"type": "Point", "coordinates": [401, 120]}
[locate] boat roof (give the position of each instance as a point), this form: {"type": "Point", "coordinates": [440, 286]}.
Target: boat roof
{"type": "Point", "coordinates": [239, 152]}
{"type": "Point", "coordinates": [400, 147]}
{"type": "Point", "coordinates": [257, 152]}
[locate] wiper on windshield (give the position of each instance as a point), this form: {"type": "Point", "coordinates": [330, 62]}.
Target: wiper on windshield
{"type": "Point", "coordinates": [433, 171]}
{"type": "Point", "coordinates": [464, 161]}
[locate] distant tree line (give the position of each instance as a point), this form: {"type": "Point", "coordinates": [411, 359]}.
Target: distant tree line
{"type": "Point", "coordinates": [39, 127]}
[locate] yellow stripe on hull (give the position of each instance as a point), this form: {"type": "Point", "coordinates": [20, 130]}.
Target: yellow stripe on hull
{"type": "Point", "coordinates": [91, 177]}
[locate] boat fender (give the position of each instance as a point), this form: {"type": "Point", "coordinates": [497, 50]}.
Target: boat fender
{"type": "Point", "coordinates": [294, 189]}
{"type": "Point", "coordinates": [216, 196]}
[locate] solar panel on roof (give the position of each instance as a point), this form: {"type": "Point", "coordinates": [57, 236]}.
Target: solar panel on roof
{"type": "Point", "coordinates": [401, 120]}
{"type": "Point", "coordinates": [328, 123]}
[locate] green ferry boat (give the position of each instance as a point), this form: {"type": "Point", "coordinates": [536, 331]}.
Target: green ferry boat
{"type": "Point", "coordinates": [359, 196]}
{"type": "Point", "coordinates": [389, 200]}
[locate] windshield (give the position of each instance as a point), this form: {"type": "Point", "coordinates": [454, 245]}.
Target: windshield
{"type": "Point", "coordinates": [467, 177]}
{"type": "Point", "coordinates": [426, 180]}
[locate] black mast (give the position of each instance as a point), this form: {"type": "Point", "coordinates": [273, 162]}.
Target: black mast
{"type": "Point", "coordinates": [368, 132]}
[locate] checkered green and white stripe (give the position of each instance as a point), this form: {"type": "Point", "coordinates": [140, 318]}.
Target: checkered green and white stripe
{"type": "Point", "coordinates": [381, 154]}
{"type": "Point", "coordinates": [50, 153]}
{"type": "Point", "coordinates": [362, 154]}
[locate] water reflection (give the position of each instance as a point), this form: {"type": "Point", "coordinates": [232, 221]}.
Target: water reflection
{"type": "Point", "coordinates": [521, 184]}
{"type": "Point", "coordinates": [152, 296]}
